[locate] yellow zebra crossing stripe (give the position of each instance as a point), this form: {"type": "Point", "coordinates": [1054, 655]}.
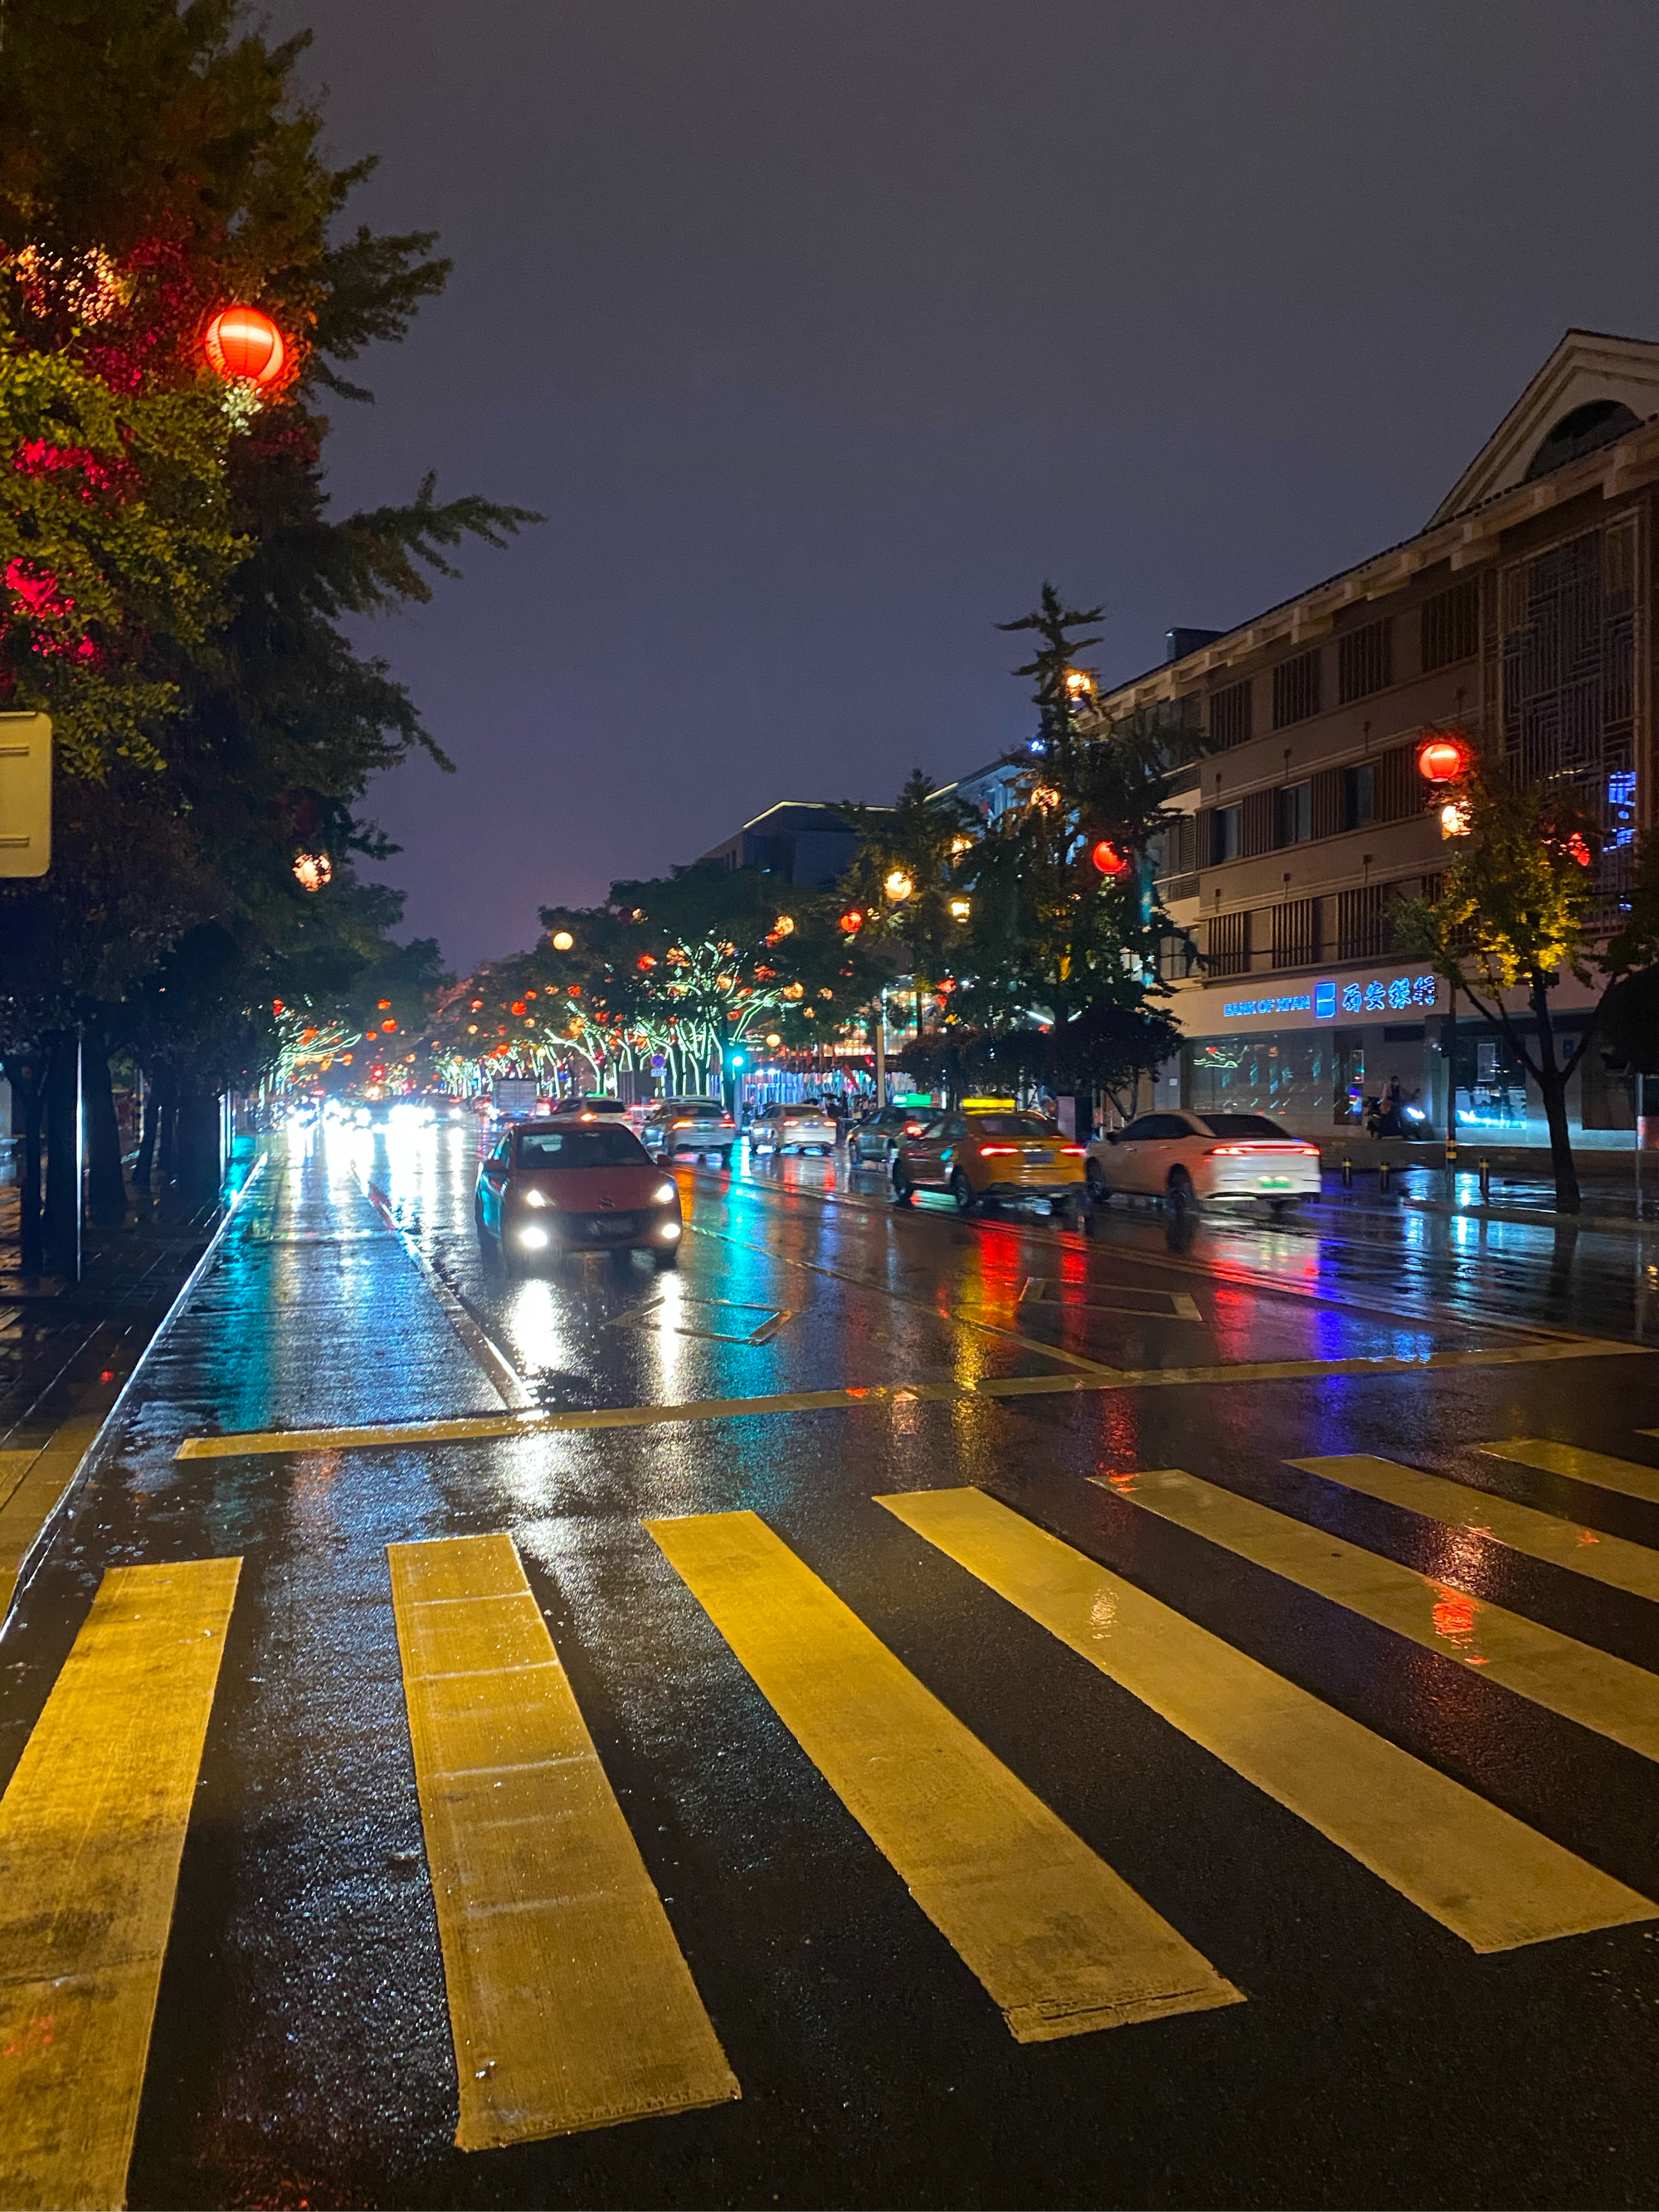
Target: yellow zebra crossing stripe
{"type": "Point", "coordinates": [1625, 1475]}
{"type": "Point", "coordinates": [1473, 1867]}
{"type": "Point", "coordinates": [570, 2002]}
{"type": "Point", "coordinates": [1592, 1688]}
{"type": "Point", "coordinates": [1061, 1942]}
{"type": "Point", "coordinates": [1589, 1552]}
{"type": "Point", "coordinates": [91, 1828]}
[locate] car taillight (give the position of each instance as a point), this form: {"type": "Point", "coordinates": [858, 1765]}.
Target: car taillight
{"type": "Point", "coordinates": [988, 1152]}
{"type": "Point", "coordinates": [1228, 1151]}
{"type": "Point", "coordinates": [913, 1128]}
{"type": "Point", "coordinates": [1071, 1151]}
{"type": "Point", "coordinates": [683, 1124]}
{"type": "Point", "coordinates": [1310, 1151]}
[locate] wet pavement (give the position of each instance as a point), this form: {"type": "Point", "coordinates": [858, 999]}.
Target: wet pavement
{"type": "Point", "coordinates": [1409, 1819]}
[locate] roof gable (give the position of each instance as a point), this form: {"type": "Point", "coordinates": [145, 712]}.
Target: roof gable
{"type": "Point", "coordinates": [1587, 366]}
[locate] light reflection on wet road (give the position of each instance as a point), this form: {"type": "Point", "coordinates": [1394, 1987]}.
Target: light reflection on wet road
{"type": "Point", "coordinates": [302, 2048]}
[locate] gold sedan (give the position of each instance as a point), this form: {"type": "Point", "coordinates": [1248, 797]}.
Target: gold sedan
{"type": "Point", "coordinates": [989, 1149]}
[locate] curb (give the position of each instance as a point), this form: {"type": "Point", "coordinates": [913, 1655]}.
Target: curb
{"type": "Point", "coordinates": [28, 1565]}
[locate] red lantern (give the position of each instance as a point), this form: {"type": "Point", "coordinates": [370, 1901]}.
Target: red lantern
{"type": "Point", "coordinates": [244, 343]}
{"type": "Point", "coordinates": [852, 922]}
{"type": "Point", "coordinates": [1442, 759]}
{"type": "Point", "coordinates": [1110, 859]}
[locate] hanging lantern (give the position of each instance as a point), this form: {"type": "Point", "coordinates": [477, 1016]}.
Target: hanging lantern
{"type": "Point", "coordinates": [852, 922]}
{"type": "Point", "coordinates": [1442, 759]}
{"type": "Point", "coordinates": [313, 870]}
{"type": "Point", "coordinates": [1110, 859]}
{"type": "Point", "coordinates": [243, 343]}
{"type": "Point", "coordinates": [562, 940]}
{"type": "Point", "coordinates": [898, 886]}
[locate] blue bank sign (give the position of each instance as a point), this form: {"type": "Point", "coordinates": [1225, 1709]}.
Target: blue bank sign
{"type": "Point", "coordinates": [1408, 992]}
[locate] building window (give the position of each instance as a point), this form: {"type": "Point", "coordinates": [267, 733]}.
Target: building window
{"type": "Point", "coordinates": [1365, 923]}
{"type": "Point", "coordinates": [1225, 825]}
{"type": "Point", "coordinates": [1451, 626]}
{"type": "Point", "coordinates": [1295, 813]}
{"type": "Point", "coordinates": [1358, 795]}
{"type": "Point", "coordinates": [1569, 658]}
{"type": "Point", "coordinates": [1229, 944]}
{"type": "Point", "coordinates": [1295, 689]}
{"type": "Point", "coordinates": [1230, 715]}
{"type": "Point", "coordinates": [1364, 662]}
{"type": "Point", "coordinates": [1296, 933]}
{"type": "Point", "coordinates": [1177, 848]}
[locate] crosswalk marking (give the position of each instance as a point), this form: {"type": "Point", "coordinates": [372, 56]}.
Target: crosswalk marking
{"type": "Point", "coordinates": [1060, 1940]}
{"type": "Point", "coordinates": [1473, 1867]}
{"type": "Point", "coordinates": [1592, 1688]}
{"type": "Point", "coordinates": [570, 2002]}
{"type": "Point", "coordinates": [91, 1828]}
{"type": "Point", "coordinates": [1606, 1473]}
{"type": "Point", "coordinates": [1590, 1551]}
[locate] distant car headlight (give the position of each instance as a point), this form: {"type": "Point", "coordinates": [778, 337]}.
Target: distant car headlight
{"type": "Point", "coordinates": [663, 1193]}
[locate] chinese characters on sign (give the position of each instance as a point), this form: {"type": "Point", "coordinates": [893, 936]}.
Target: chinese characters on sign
{"type": "Point", "coordinates": [1377, 998]}
{"type": "Point", "coordinates": [1394, 994]}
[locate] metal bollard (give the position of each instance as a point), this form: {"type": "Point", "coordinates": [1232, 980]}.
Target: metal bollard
{"type": "Point", "coordinates": [1347, 1173]}
{"type": "Point", "coordinates": [1451, 1154]}
{"type": "Point", "coordinates": [1485, 1180]}
{"type": "Point", "coordinates": [1383, 1176]}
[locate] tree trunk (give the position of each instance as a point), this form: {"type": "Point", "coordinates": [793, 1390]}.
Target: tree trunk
{"type": "Point", "coordinates": [156, 1096]}
{"type": "Point", "coordinates": [61, 1221]}
{"type": "Point", "coordinates": [169, 1124]}
{"type": "Point", "coordinates": [107, 1189]}
{"type": "Point", "coordinates": [26, 1077]}
{"type": "Point", "coordinates": [1553, 1083]}
{"type": "Point", "coordinates": [198, 1166]}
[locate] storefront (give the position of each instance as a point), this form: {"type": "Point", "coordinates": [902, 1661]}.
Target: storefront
{"type": "Point", "coordinates": [1313, 1053]}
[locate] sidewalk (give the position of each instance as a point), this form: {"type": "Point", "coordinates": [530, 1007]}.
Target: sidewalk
{"type": "Point", "coordinates": [66, 1350]}
{"type": "Point", "coordinates": [1522, 1198]}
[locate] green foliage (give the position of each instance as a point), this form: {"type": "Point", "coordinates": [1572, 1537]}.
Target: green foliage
{"type": "Point", "coordinates": [156, 162]}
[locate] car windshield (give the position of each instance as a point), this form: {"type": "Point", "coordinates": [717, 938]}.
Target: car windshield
{"type": "Point", "coordinates": [1011, 1125]}
{"type": "Point", "coordinates": [1242, 1124]}
{"type": "Point", "coordinates": [803, 1113]}
{"type": "Point", "coordinates": [600, 1145]}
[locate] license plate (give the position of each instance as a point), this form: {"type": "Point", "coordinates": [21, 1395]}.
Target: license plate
{"type": "Point", "coordinates": [1036, 1159]}
{"type": "Point", "coordinates": [604, 1224]}
{"type": "Point", "coordinates": [1275, 1183]}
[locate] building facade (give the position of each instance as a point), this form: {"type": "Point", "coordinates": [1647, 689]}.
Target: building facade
{"type": "Point", "coordinates": [803, 841]}
{"type": "Point", "coordinates": [1521, 615]}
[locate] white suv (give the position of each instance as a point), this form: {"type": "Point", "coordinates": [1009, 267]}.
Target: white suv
{"type": "Point", "coordinates": [1187, 1158]}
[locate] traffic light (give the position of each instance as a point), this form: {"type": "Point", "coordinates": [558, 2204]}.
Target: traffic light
{"type": "Point", "coordinates": [25, 794]}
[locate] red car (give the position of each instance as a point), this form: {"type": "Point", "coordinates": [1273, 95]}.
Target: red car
{"type": "Point", "coordinates": [582, 1183]}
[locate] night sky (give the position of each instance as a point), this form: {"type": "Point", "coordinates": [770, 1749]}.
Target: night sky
{"type": "Point", "coordinates": [821, 334]}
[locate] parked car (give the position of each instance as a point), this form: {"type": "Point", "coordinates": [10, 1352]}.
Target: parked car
{"type": "Point", "coordinates": [989, 1151]}
{"type": "Point", "coordinates": [575, 1184]}
{"type": "Point", "coordinates": [807, 1127]}
{"type": "Point", "coordinates": [875, 1135]}
{"type": "Point", "coordinates": [1190, 1159]}
{"type": "Point", "coordinates": [690, 1125]}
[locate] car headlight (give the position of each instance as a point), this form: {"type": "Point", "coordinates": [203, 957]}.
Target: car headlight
{"type": "Point", "coordinates": [534, 1240]}
{"type": "Point", "coordinates": [671, 1230]}
{"type": "Point", "coordinates": [663, 1193]}
{"type": "Point", "coordinates": [536, 1198]}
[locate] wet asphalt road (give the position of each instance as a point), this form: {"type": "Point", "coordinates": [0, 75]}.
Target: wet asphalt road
{"type": "Point", "coordinates": [301, 2050]}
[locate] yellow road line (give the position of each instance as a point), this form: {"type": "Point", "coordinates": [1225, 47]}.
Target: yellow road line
{"type": "Point", "coordinates": [91, 1831]}
{"type": "Point", "coordinates": [570, 2002]}
{"type": "Point", "coordinates": [1061, 1942]}
{"type": "Point", "coordinates": [32, 1498]}
{"type": "Point", "coordinates": [1625, 1475]}
{"type": "Point", "coordinates": [475, 1428]}
{"type": "Point", "coordinates": [1590, 1551]}
{"type": "Point", "coordinates": [1592, 1688]}
{"type": "Point", "coordinates": [1476, 1870]}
